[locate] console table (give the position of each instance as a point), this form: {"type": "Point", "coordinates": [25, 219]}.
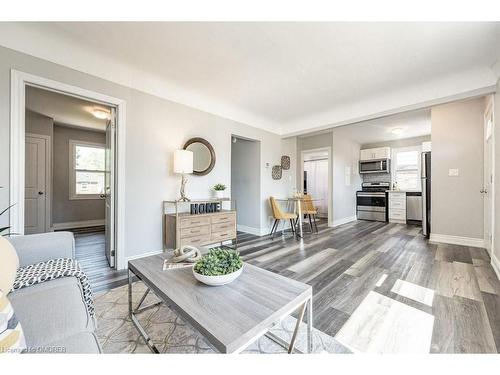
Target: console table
{"type": "Point", "coordinates": [199, 222]}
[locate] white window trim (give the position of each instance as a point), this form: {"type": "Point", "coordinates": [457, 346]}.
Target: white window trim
{"type": "Point", "coordinates": [72, 170]}
{"type": "Point", "coordinates": [394, 151]}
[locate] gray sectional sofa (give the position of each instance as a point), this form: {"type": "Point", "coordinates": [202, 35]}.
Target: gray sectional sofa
{"type": "Point", "coordinates": [53, 314]}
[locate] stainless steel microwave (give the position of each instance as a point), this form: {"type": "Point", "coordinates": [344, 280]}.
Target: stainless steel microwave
{"type": "Point", "coordinates": [375, 166]}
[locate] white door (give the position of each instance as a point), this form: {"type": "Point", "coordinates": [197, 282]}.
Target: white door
{"type": "Point", "coordinates": [317, 184]}
{"type": "Point", "coordinates": [109, 195]}
{"type": "Point", "coordinates": [35, 185]}
{"type": "Point", "coordinates": [488, 176]}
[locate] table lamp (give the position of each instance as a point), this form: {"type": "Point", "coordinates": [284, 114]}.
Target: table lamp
{"type": "Point", "coordinates": [183, 164]}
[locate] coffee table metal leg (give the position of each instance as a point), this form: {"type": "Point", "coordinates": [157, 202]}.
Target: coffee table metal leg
{"type": "Point", "coordinates": [134, 320]}
{"type": "Point", "coordinates": [291, 345]}
{"type": "Point", "coordinates": [297, 327]}
{"type": "Point", "coordinates": [309, 325]}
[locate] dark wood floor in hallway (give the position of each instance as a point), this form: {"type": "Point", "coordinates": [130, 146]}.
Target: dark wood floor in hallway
{"type": "Point", "coordinates": [381, 287]}
{"type": "Point", "coordinates": [90, 249]}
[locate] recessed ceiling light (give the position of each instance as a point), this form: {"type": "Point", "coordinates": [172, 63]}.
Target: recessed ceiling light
{"type": "Point", "coordinates": [397, 131]}
{"type": "Point", "coordinates": [100, 113]}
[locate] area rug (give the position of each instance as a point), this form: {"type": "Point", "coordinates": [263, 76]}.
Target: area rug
{"type": "Point", "coordinates": [171, 334]}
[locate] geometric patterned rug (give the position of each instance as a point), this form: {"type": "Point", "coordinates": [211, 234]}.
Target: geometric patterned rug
{"type": "Point", "coordinates": [171, 334]}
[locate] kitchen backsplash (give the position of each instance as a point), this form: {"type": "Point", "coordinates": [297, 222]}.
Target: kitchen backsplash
{"type": "Point", "coordinates": [376, 177]}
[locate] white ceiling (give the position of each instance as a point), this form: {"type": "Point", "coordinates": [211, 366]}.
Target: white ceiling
{"type": "Point", "coordinates": [412, 124]}
{"type": "Point", "coordinates": [283, 77]}
{"type": "Point", "coordinates": [64, 109]}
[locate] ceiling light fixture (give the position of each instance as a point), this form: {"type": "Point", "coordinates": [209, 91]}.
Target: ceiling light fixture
{"type": "Point", "coordinates": [397, 131]}
{"type": "Point", "coordinates": [100, 113]}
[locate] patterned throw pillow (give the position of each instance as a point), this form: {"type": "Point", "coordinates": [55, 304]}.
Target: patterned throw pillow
{"type": "Point", "coordinates": [11, 333]}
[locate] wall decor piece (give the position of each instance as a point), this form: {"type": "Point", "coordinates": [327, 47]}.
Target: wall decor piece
{"type": "Point", "coordinates": [203, 155]}
{"type": "Point", "coordinates": [277, 172]}
{"type": "Point", "coordinates": [285, 162]}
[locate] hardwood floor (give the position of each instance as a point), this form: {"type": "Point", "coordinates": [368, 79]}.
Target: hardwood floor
{"type": "Point", "coordinates": [377, 287]}
{"type": "Point", "coordinates": [90, 253]}
{"type": "Point", "coordinates": [381, 287]}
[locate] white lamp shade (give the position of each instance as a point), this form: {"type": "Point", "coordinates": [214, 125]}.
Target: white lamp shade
{"type": "Point", "coordinates": [183, 161]}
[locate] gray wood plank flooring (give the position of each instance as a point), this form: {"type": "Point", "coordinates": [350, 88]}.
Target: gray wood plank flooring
{"type": "Point", "coordinates": [344, 265]}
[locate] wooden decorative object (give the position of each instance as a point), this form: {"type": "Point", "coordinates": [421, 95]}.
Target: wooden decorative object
{"type": "Point", "coordinates": [277, 172]}
{"type": "Point", "coordinates": [285, 162]}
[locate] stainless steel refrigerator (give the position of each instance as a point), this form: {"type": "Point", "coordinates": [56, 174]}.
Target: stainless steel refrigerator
{"type": "Point", "coordinates": [426, 193]}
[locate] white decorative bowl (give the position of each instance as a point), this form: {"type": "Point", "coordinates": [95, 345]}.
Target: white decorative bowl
{"type": "Point", "coordinates": [217, 280]}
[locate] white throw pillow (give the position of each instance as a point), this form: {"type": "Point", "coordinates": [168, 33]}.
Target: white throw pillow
{"type": "Point", "coordinates": [11, 333]}
{"type": "Point", "coordinates": [9, 263]}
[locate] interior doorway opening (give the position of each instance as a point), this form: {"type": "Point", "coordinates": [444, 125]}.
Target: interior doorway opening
{"type": "Point", "coordinates": [245, 183]}
{"type": "Point", "coordinates": [316, 179]}
{"type": "Point", "coordinates": [115, 168]}
{"type": "Point", "coordinates": [69, 161]}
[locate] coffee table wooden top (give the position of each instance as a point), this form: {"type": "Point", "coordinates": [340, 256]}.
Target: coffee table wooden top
{"type": "Point", "coordinates": [230, 316]}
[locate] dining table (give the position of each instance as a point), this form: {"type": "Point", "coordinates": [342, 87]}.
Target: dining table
{"type": "Point", "coordinates": [297, 208]}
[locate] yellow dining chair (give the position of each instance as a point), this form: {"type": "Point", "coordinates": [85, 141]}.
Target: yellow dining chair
{"type": "Point", "coordinates": [279, 215]}
{"type": "Point", "coordinates": [308, 210]}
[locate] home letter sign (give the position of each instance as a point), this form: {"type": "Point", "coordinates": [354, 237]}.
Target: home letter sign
{"type": "Point", "coordinates": [205, 208]}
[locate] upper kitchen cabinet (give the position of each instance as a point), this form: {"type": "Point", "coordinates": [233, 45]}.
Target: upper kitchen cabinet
{"type": "Point", "coordinates": [375, 153]}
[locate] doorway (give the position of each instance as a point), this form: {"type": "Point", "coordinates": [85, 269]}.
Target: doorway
{"type": "Point", "coordinates": [245, 183]}
{"type": "Point", "coordinates": [59, 152]}
{"type": "Point", "coordinates": [489, 178]}
{"type": "Point", "coordinates": [69, 189]}
{"type": "Point", "coordinates": [316, 177]}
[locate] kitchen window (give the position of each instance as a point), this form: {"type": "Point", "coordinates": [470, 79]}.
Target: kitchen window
{"type": "Point", "coordinates": [87, 170]}
{"type": "Point", "coordinates": [406, 168]}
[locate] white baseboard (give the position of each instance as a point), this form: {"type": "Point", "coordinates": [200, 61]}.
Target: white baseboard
{"type": "Point", "coordinates": [344, 220]}
{"type": "Point", "coordinates": [496, 265]}
{"type": "Point", "coordinates": [250, 230]}
{"type": "Point", "coordinates": [155, 252]}
{"type": "Point", "coordinates": [457, 240]}
{"type": "Point", "coordinates": [78, 224]}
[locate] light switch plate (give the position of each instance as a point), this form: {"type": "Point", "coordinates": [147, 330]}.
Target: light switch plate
{"type": "Point", "coordinates": [453, 172]}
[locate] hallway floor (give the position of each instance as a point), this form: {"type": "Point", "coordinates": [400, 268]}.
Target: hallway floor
{"type": "Point", "coordinates": [90, 249]}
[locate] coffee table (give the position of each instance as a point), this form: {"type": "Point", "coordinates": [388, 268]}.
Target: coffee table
{"type": "Point", "coordinates": [231, 316]}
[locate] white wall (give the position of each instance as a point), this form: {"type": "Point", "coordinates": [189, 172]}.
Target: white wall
{"type": "Point", "coordinates": [405, 142]}
{"type": "Point", "coordinates": [345, 155]}
{"type": "Point", "coordinates": [155, 128]}
{"type": "Point", "coordinates": [457, 142]}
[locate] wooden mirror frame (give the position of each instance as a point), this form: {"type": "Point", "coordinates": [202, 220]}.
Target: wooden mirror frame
{"type": "Point", "coordinates": [212, 155]}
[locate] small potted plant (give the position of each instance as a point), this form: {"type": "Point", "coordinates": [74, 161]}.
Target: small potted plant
{"type": "Point", "coordinates": [218, 267]}
{"type": "Point", "coordinates": [219, 190]}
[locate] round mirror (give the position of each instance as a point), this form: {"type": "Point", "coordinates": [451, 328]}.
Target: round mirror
{"type": "Point", "coordinates": [203, 155]}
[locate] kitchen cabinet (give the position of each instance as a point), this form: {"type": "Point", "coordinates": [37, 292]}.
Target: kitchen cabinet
{"type": "Point", "coordinates": [397, 207]}
{"type": "Point", "coordinates": [375, 153]}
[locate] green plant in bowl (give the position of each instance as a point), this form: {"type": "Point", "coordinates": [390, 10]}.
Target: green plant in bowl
{"type": "Point", "coordinates": [218, 267]}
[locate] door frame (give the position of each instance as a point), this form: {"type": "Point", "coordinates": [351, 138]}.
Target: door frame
{"type": "Point", "coordinates": [490, 108]}
{"type": "Point", "coordinates": [18, 82]}
{"type": "Point", "coordinates": [330, 177]}
{"type": "Point", "coordinates": [48, 179]}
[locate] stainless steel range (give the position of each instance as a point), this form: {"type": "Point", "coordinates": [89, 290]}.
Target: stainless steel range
{"type": "Point", "coordinates": [371, 201]}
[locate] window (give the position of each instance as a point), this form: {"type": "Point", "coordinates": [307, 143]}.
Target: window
{"type": "Point", "coordinates": [406, 168]}
{"type": "Point", "coordinates": [87, 170]}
